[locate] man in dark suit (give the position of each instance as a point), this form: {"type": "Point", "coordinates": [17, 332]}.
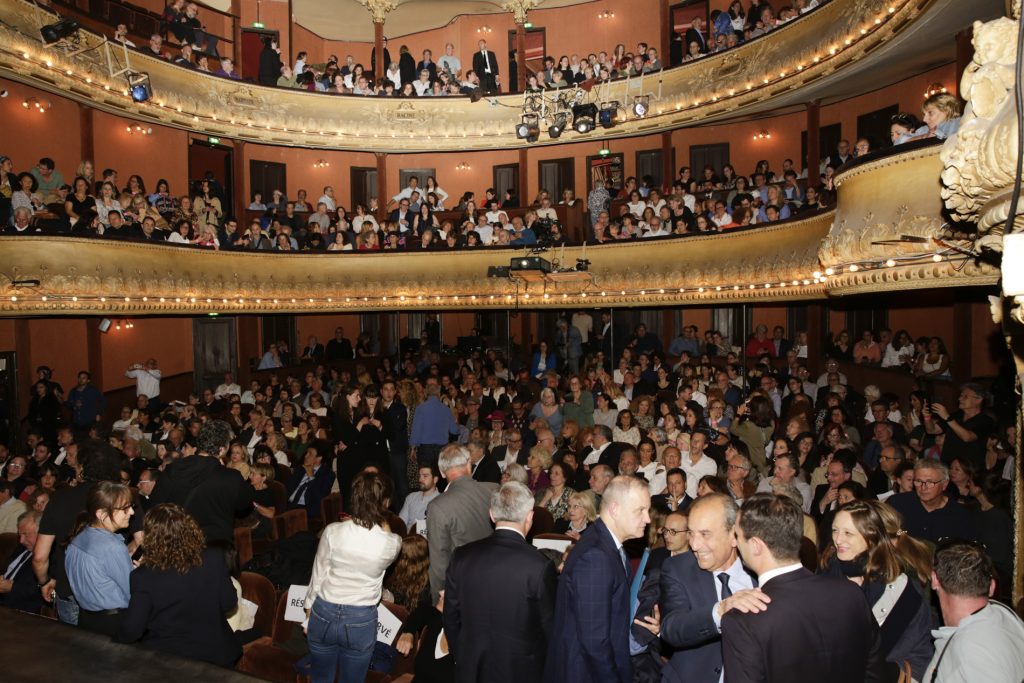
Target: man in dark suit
{"type": "Point", "coordinates": [484, 467]}
{"type": "Point", "coordinates": [675, 498]}
{"type": "Point", "coordinates": [314, 352]}
{"type": "Point", "coordinates": [18, 588]}
{"type": "Point", "coordinates": [779, 342]}
{"type": "Point", "coordinates": [312, 482]}
{"type": "Point", "coordinates": [485, 64]}
{"type": "Point", "coordinates": [396, 432]}
{"type": "Point", "coordinates": [695, 34]}
{"type": "Point", "coordinates": [826, 496]}
{"type": "Point", "coordinates": [339, 348]}
{"type": "Point", "coordinates": [768, 533]}
{"type": "Point", "coordinates": [593, 614]}
{"type": "Point", "coordinates": [210, 492]}
{"type": "Point", "coordinates": [699, 587]}
{"type": "Point", "coordinates": [402, 216]}
{"type": "Point", "coordinates": [512, 451]}
{"type": "Point", "coordinates": [500, 636]}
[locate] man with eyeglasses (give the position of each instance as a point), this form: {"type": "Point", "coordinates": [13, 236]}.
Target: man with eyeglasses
{"type": "Point", "coordinates": [928, 513]}
{"type": "Point", "coordinates": [881, 480]}
{"type": "Point", "coordinates": [512, 451]}
{"type": "Point", "coordinates": [16, 473]}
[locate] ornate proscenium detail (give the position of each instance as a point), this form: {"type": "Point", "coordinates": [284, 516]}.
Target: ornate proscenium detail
{"type": "Point", "coordinates": [519, 8]}
{"type": "Point", "coordinates": [379, 9]}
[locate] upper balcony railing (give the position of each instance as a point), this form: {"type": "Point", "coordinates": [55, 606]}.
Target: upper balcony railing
{"type": "Point", "coordinates": [785, 67]}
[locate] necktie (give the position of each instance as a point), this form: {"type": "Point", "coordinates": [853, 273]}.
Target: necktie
{"type": "Point", "coordinates": [723, 578]}
{"type": "Point", "coordinates": [487, 61]}
{"type": "Point", "coordinates": [297, 497]}
{"type": "Point", "coordinates": [625, 562]}
{"type": "Point", "coordinates": [15, 566]}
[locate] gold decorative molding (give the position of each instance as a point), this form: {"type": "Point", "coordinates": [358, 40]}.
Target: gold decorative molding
{"type": "Point", "coordinates": [739, 82]}
{"type": "Point", "coordinates": [886, 241]}
{"type": "Point", "coordinates": [379, 9]}
{"type": "Point", "coordinates": [519, 8]}
{"type": "Point", "coordinates": [79, 276]}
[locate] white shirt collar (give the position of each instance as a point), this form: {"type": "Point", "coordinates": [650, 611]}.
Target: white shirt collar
{"type": "Point", "coordinates": [512, 529]}
{"type": "Point", "coordinates": [762, 579]}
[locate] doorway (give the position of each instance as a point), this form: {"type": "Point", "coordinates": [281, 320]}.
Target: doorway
{"type": "Point", "coordinates": [364, 185]}
{"type": "Point", "coordinates": [214, 349]}
{"type": "Point", "coordinates": [252, 46]}
{"type": "Point", "coordinates": [536, 49]}
{"type": "Point", "coordinates": [267, 176]}
{"type": "Point", "coordinates": [506, 178]}
{"type": "Point", "coordinates": [213, 161]}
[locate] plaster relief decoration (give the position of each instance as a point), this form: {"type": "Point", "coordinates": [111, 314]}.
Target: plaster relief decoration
{"type": "Point", "coordinates": [379, 9]}
{"type": "Point", "coordinates": [980, 159]}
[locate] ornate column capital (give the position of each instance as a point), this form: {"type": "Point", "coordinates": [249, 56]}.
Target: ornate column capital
{"type": "Point", "coordinates": [379, 9]}
{"type": "Point", "coordinates": [519, 8]}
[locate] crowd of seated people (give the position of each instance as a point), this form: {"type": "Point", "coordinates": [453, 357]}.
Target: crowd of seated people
{"type": "Point", "coordinates": [449, 75]}
{"type": "Point", "coordinates": [865, 465]}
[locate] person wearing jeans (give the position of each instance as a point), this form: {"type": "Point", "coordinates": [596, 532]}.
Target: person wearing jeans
{"type": "Point", "coordinates": [345, 588]}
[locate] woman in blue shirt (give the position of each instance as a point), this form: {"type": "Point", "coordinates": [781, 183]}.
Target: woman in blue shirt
{"type": "Point", "coordinates": [97, 560]}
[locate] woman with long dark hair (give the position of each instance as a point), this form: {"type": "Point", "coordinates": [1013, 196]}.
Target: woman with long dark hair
{"type": "Point", "coordinates": [346, 415]}
{"type": "Point", "coordinates": [97, 561]}
{"type": "Point", "coordinates": [870, 548]}
{"type": "Point", "coordinates": [371, 444]}
{"type": "Point", "coordinates": [181, 593]}
{"type": "Point", "coordinates": [346, 585]}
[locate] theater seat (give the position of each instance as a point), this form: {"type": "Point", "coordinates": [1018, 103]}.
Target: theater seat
{"type": "Point", "coordinates": [8, 542]}
{"type": "Point", "coordinates": [291, 523]}
{"type": "Point", "coordinates": [243, 544]}
{"type": "Point", "coordinates": [331, 508]}
{"type": "Point", "coordinates": [258, 589]}
{"type": "Point", "coordinates": [543, 523]}
{"type": "Point", "coordinates": [265, 658]}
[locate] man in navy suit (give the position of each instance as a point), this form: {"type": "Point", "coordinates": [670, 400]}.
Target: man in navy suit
{"type": "Point", "coordinates": [590, 638]}
{"type": "Point", "coordinates": [312, 482]}
{"type": "Point", "coordinates": [768, 534]}
{"type": "Point", "coordinates": [500, 636]}
{"type": "Point", "coordinates": [402, 216]}
{"type": "Point", "coordinates": [699, 587]}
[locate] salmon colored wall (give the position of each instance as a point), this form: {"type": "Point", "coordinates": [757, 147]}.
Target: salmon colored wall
{"type": "Point", "coordinates": [836, 322]}
{"type": "Point", "coordinates": [455, 182]}
{"type": "Point", "coordinates": [61, 344]}
{"type": "Point", "coordinates": [701, 317]}
{"type": "Point", "coordinates": [169, 340]}
{"type": "Point", "coordinates": [29, 135]}
{"type": "Point", "coordinates": [456, 324]}
{"type": "Point", "coordinates": [770, 316]}
{"type": "Point", "coordinates": [985, 335]}
{"type": "Point", "coordinates": [7, 335]}
{"type": "Point", "coordinates": [164, 154]}
{"type": "Point", "coordinates": [302, 175]}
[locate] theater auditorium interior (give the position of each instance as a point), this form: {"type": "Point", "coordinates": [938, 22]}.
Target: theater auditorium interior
{"type": "Point", "coordinates": [229, 454]}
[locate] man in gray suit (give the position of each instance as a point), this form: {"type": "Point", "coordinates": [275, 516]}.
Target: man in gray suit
{"type": "Point", "coordinates": [569, 343]}
{"type": "Point", "coordinates": [458, 516]}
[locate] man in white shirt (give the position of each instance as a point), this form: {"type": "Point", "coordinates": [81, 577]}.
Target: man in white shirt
{"type": "Point", "coordinates": [656, 228]}
{"type": "Point", "coordinates": [147, 379]}
{"type": "Point", "coordinates": [982, 639]}
{"type": "Point", "coordinates": [328, 199]}
{"type": "Point", "coordinates": [697, 464]}
{"type": "Point", "coordinates": [229, 387]}
{"type": "Point", "coordinates": [406, 193]}
{"type": "Point", "coordinates": [10, 508]}
{"type": "Point", "coordinates": [415, 507]}
{"type": "Point", "coordinates": [599, 442]}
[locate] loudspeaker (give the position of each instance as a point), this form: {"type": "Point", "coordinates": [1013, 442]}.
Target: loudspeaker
{"type": "Point", "coordinates": [105, 325]}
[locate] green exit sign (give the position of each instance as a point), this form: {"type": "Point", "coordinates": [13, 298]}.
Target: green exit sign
{"type": "Point", "coordinates": [213, 141]}
{"type": "Point", "coordinates": [257, 24]}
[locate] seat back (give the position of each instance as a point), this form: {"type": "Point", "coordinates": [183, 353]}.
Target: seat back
{"type": "Point", "coordinates": [282, 628]}
{"type": "Point", "coordinates": [330, 508]}
{"type": "Point", "coordinates": [243, 544]}
{"type": "Point", "coordinates": [280, 496]}
{"type": "Point", "coordinates": [543, 522]}
{"type": "Point", "coordinates": [291, 523]}
{"type": "Point", "coordinates": [258, 589]}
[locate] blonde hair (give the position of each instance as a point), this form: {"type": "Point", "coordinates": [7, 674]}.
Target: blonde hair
{"type": "Point", "coordinates": [946, 103]}
{"type": "Point", "coordinates": [586, 501]}
{"type": "Point", "coordinates": [542, 456]}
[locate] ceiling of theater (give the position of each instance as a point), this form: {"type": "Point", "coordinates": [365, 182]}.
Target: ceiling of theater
{"type": "Point", "coordinates": [350, 20]}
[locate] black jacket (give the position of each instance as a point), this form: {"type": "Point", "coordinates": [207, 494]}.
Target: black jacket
{"type": "Point", "coordinates": [499, 636]}
{"type": "Point", "coordinates": [210, 492]}
{"type": "Point", "coordinates": [270, 66]}
{"type": "Point", "coordinates": [184, 614]}
{"type": "Point", "coordinates": [487, 470]}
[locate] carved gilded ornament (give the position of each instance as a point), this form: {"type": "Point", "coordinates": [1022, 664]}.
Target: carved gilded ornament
{"type": "Point", "coordinates": [519, 8]}
{"type": "Point", "coordinates": [379, 9]}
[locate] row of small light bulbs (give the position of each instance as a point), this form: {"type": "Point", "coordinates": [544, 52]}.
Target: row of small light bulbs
{"type": "Point", "coordinates": [833, 51]}
{"type": "Point", "coordinates": [817, 277]}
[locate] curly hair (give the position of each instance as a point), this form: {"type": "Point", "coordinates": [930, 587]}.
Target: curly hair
{"type": "Point", "coordinates": [173, 539]}
{"type": "Point", "coordinates": [410, 576]}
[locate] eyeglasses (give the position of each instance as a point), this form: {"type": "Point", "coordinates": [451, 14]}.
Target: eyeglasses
{"type": "Point", "coordinates": [575, 506]}
{"type": "Point", "coordinates": [673, 532]}
{"type": "Point", "coordinates": [887, 457]}
{"type": "Point", "coordinates": [16, 466]}
{"type": "Point", "coordinates": [739, 467]}
{"type": "Point", "coordinates": [926, 483]}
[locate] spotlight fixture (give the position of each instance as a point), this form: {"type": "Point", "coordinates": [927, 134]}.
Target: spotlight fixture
{"type": "Point", "coordinates": [934, 89]}
{"type": "Point", "coordinates": [139, 86]}
{"type": "Point", "coordinates": [557, 125]}
{"type": "Point", "coordinates": [53, 33]}
{"type": "Point", "coordinates": [584, 117]}
{"type": "Point", "coordinates": [762, 135]}
{"type": "Point", "coordinates": [609, 110]}
{"type": "Point", "coordinates": [641, 105]}
{"type": "Point", "coordinates": [528, 128]}
{"type": "Point", "coordinates": [42, 106]}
